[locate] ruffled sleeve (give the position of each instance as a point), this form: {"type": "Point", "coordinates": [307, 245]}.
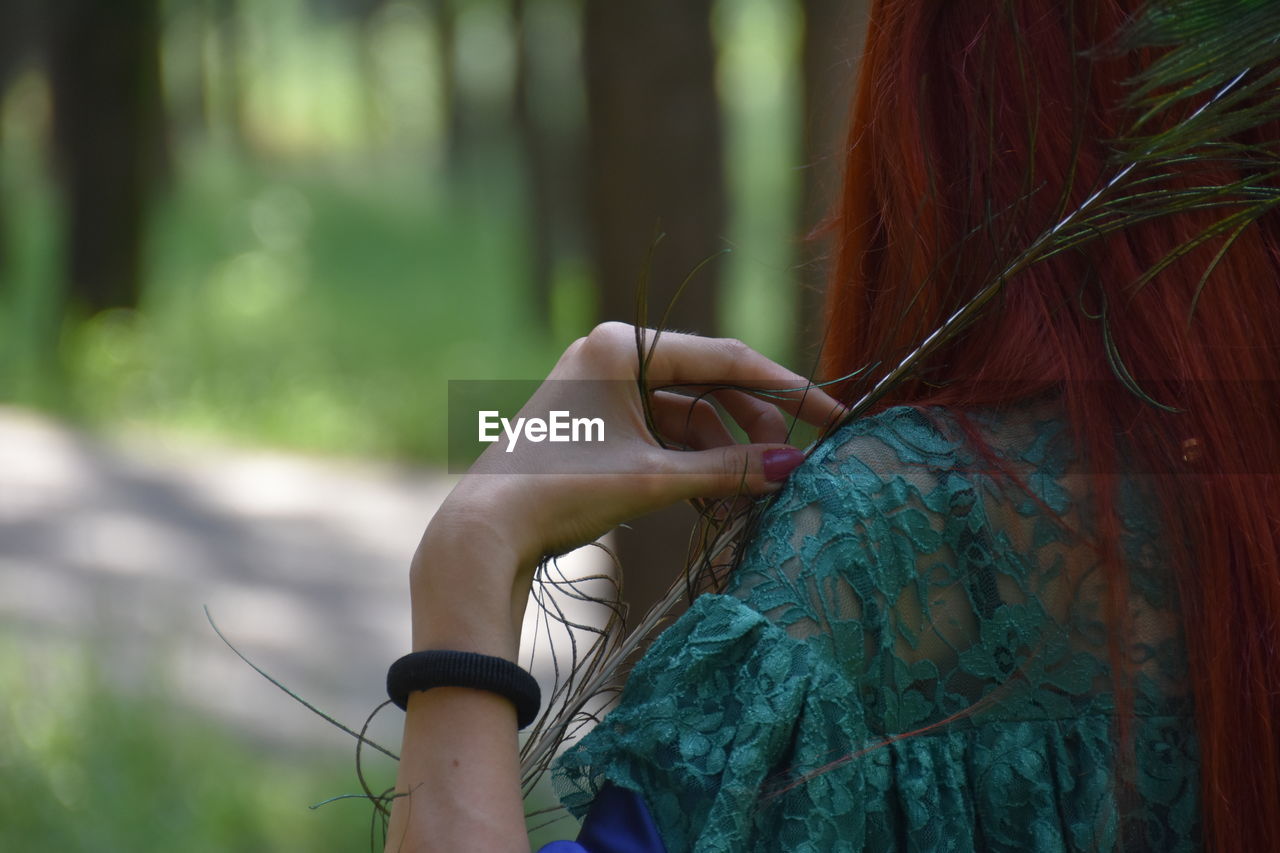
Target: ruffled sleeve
{"type": "Point", "coordinates": [704, 718]}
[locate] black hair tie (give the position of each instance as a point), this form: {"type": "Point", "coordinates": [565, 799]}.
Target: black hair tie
{"type": "Point", "coordinates": [447, 668]}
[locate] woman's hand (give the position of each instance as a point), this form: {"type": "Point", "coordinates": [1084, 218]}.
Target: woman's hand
{"type": "Point", "coordinates": [544, 499]}
{"type": "Point", "coordinates": [522, 501]}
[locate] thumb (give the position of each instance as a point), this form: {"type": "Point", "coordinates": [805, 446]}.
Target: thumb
{"type": "Point", "coordinates": [754, 469]}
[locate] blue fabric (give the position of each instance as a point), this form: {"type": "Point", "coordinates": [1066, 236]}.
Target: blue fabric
{"type": "Point", "coordinates": [619, 822]}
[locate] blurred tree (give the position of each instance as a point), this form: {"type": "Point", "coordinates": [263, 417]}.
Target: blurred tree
{"type": "Point", "coordinates": [109, 142]}
{"type": "Point", "coordinates": [549, 147]}
{"type": "Point", "coordinates": [186, 83]}
{"type": "Point", "coordinates": [444, 16]}
{"type": "Point", "coordinates": [230, 72]}
{"type": "Point", "coordinates": [19, 39]}
{"type": "Point", "coordinates": [832, 43]}
{"type": "Point", "coordinates": [654, 155]}
{"type": "Point", "coordinates": [654, 163]}
{"type": "Point", "coordinates": [365, 13]}
{"type": "Point", "coordinates": [535, 152]}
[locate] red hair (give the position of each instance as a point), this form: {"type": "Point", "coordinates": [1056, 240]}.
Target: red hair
{"type": "Point", "coordinates": [974, 126]}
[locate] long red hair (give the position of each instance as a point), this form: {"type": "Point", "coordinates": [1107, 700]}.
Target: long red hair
{"type": "Point", "coordinates": [974, 126]}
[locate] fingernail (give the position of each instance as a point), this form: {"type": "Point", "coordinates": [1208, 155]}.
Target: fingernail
{"type": "Point", "coordinates": [780, 463]}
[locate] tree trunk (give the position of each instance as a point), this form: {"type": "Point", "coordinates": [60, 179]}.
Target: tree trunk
{"type": "Point", "coordinates": [363, 14]}
{"type": "Point", "coordinates": [832, 44]}
{"type": "Point", "coordinates": [19, 39]}
{"type": "Point", "coordinates": [444, 16]}
{"type": "Point", "coordinates": [654, 164]}
{"type": "Point", "coordinates": [230, 71]}
{"type": "Point", "coordinates": [535, 152]}
{"type": "Point", "coordinates": [104, 67]}
{"type": "Point", "coordinates": [655, 155]}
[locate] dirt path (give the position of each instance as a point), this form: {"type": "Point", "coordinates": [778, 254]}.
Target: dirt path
{"type": "Point", "coordinates": [302, 562]}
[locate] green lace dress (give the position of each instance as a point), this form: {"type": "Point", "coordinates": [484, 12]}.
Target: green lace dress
{"type": "Point", "coordinates": [913, 657]}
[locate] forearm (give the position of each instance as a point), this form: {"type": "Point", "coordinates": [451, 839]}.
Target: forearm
{"type": "Point", "coordinates": [459, 764]}
{"type": "Point", "coordinates": [459, 773]}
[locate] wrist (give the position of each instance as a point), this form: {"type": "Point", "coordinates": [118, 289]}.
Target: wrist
{"type": "Point", "coordinates": [493, 512]}
{"type": "Point", "coordinates": [468, 591]}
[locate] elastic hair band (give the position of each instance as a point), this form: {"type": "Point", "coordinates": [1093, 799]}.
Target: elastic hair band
{"type": "Point", "coordinates": [447, 668]}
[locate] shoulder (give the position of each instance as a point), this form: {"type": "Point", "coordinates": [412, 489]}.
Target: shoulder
{"type": "Point", "coordinates": [904, 471]}
{"type": "Point", "coordinates": [1019, 461]}
{"type": "Point", "coordinates": [888, 458]}
{"type": "Point", "coordinates": [897, 439]}
{"type": "Point", "coordinates": [875, 503]}
{"type": "Point", "coordinates": [913, 523]}
{"type": "Point", "coordinates": [908, 440]}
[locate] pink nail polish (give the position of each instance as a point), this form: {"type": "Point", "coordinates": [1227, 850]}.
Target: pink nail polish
{"type": "Point", "coordinates": [778, 464]}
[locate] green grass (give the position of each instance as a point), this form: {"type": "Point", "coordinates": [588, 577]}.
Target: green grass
{"type": "Point", "coordinates": [87, 767]}
{"type": "Point", "coordinates": [83, 768]}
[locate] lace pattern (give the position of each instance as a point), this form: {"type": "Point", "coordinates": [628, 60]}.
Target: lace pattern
{"type": "Point", "coordinates": [914, 655]}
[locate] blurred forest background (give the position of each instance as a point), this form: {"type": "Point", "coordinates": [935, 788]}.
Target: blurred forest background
{"type": "Point", "coordinates": [289, 223]}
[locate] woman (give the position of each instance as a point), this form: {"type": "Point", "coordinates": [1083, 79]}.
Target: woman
{"type": "Point", "coordinates": [1036, 605]}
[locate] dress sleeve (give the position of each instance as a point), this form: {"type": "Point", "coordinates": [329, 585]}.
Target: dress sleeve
{"type": "Point", "coordinates": [703, 721]}
{"type": "Point", "coordinates": [910, 656]}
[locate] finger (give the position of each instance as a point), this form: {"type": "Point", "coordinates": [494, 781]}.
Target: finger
{"type": "Point", "coordinates": [735, 469]}
{"type": "Point", "coordinates": [689, 421]}
{"type": "Point", "coordinates": [687, 359]}
{"type": "Point", "coordinates": [761, 420]}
